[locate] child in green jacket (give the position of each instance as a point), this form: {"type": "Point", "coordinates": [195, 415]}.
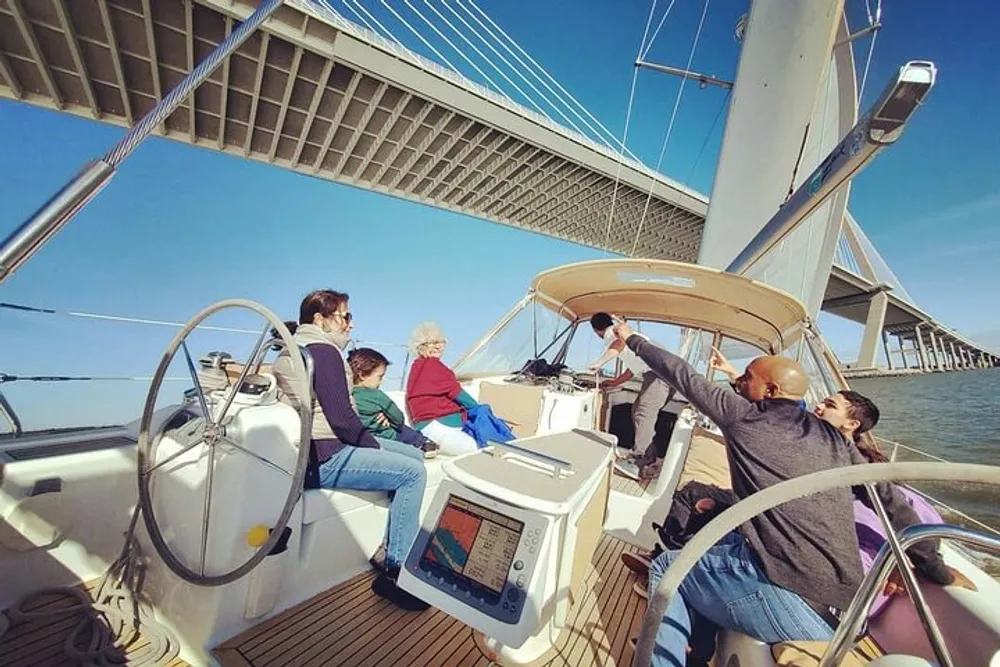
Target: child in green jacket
{"type": "Point", "coordinates": [378, 412]}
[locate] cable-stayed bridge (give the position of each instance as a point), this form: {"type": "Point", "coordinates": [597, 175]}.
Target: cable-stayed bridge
{"type": "Point", "coordinates": [320, 95]}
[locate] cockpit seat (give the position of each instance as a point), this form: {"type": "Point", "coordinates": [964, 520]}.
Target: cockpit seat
{"type": "Point", "coordinates": [706, 461]}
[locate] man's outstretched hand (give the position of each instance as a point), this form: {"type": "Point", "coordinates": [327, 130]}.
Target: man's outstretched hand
{"type": "Point", "coordinates": [895, 585]}
{"type": "Point", "coordinates": [621, 328]}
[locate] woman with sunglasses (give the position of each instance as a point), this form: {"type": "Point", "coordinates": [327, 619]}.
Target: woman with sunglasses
{"type": "Point", "coordinates": [343, 453]}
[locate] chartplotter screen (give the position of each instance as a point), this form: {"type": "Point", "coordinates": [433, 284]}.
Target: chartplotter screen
{"type": "Point", "coordinates": [474, 543]}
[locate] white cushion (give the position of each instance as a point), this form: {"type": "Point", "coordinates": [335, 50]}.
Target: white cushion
{"type": "Point", "coordinates": [319, 504]}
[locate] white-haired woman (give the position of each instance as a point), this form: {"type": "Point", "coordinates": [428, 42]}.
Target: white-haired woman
{"type": "Point", "coordinates": [435, 400]}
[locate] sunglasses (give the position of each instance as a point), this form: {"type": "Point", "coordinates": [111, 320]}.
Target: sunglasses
{"type": "Point", "coordinates": [347, 317]}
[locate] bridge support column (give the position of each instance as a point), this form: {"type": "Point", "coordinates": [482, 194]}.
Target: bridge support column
{"type": "Point", "coordinates": [934, 350]}
{"type": "Point", "coordinates": [873, 330]}
{"type": "Point", "coordinates": [955, 365]}
{"type": "Point", "coordinates": [902, 352]}
{"type": "Point", "coordinates": [939, 353]}
{"type": "Point", "coordinates": [922, 358]}
{"type": "Point", "coordinates": [888, 351]}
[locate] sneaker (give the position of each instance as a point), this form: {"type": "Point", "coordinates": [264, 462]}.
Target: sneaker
{"type": "Point", "coordinates": [430, 449]}
{"type": "Point", "coordinates": [385, 586]}
{"type": "Point", "coordinates": [378, 560]}
{"type": "Point", "coordinates": [638, 563]}
{"type": "Point", "coordinates": [627, 469]}
{"type": "Point", "coordinates": [641, 589]}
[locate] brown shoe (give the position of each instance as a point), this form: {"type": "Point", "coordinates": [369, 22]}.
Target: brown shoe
{"type": "Point", "coordinates": [640, 589]}
{"type": "Point", "coordinates": [638, 563]}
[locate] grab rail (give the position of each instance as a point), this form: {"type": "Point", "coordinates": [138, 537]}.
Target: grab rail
{"type": "Point", "coordinates": [559, 466]}
{"type": "Point", "coordinates": [854, 618]}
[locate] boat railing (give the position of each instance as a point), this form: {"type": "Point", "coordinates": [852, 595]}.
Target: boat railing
{"type": "Point", "coordinates": [892, 450]}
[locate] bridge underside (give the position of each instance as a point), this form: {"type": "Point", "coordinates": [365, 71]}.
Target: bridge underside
{"type": "Point", "coordinates": [318, 95]}
{"type": "Point", "coordinates": [312, 95]}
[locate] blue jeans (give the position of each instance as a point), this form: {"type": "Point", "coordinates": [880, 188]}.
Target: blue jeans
{"type": "Point", "coordinates": [396, 468]}
{"type": "Point", "coordinates": [728, 588]}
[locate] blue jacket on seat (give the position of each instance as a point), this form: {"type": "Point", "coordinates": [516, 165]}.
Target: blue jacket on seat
{"type": "Point", "coordinates": [485, 426]}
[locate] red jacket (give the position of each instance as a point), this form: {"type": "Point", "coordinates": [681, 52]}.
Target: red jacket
{"type": "Point", "coordinates": [431, 390]}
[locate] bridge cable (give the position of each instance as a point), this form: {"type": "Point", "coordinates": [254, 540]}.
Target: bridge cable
{"type": "Point", "coordinates": [327, 5]}
{"type": "Point", "coordinates": [457, 50]}
{"type": "Point", "coordinates": [545, 72]}
{"type": "Point", "coordinates": [465, 39]}
{"type": "Point", "coordinates": [670, 125]}
{"type": "Point", "coordinates": [595, 132]}
{"type": "Point", "coordinates": [375, 20]}
{"type": "Point", "coordinates": [421, 37]}
{"type": "Point", "coordinates": [519, 73]}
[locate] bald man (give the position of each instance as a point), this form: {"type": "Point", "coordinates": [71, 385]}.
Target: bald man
{"type": "Point", "coordinates": [788, 572]}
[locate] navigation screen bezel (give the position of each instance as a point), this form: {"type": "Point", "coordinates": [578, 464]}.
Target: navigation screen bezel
{"type": "Point", "coordinates": [452, 576]}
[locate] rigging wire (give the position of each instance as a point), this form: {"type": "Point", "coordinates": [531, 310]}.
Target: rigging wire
{"type": "Point", "coordinates": [656, 32]}
{"type": "Point", "coordinates": [708, 136]}
{"type": "Point", "coordinates": [872, 21]}
{"type": "Point", "coordinates": [6, 377]}
{"type": "Point", "coordinates": [120, 318]}
{"type": "Point", "coordinates": [670, 125]}
{"type": "Point", "coordinates": [628, 120]}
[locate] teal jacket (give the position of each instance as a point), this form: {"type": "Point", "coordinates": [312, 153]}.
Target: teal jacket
{"type": "Point", "coordinates": [370, 402]}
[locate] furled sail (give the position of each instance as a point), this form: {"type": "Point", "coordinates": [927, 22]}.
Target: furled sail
{"type": "Point", "coordinates": [794, 98]}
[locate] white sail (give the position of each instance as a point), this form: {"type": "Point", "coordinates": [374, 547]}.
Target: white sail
{"type": "Point", "coordinates": [788, 88]}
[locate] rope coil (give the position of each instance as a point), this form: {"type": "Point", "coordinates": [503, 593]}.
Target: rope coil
{"type": "Point", "coordinates": [108, 626]}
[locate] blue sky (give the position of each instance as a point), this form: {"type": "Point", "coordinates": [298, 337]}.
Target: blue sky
{"type": "Point", "coordinates": [180, 228]}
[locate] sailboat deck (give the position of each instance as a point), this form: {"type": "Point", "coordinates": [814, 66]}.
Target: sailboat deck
{"type": "Point", "coordinates": [629, 486]}
{"type": "Point", "coordinates": [39, 642]}
{"type": "Point", "coordinates": [349, 625]}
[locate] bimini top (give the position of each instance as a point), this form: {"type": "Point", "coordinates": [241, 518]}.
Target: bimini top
{"type": "Point", "coordinates": [664, 291]}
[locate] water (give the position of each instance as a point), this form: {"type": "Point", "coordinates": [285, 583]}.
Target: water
{"type": "Point", "coordinates": [955, 416]}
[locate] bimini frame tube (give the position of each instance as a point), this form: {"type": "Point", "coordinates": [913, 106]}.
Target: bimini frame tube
{"type": "Point", "coordinates": [27, 239]}
{"type": "Point", "coordinates": [881, 127]}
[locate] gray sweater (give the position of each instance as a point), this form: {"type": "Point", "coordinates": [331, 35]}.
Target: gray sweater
{"type": "Point", "coordinates": [808, 546]}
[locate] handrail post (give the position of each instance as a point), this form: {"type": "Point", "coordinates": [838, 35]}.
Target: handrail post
{"type": "Point", "coordinates": [912, 585]}
{"type": "Point", "coordinates": [854, 617]}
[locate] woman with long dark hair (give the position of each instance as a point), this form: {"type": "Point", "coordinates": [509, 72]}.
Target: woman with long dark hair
{"type": "Point", "coordinates": [344, 454]}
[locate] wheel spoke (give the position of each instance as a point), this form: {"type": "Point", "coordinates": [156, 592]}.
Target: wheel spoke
{"type": "Point", "coordinates": [208, 505]}
{"type": "Point", "coordinates": [197, 382]}
{"type": "Point", "coordinates": [173, 456]}
{"type": "Point", "coordinates": [243, 374]}
{"type": "Point", "coordinates": [254, 455]}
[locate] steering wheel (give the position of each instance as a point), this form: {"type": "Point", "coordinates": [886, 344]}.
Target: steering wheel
{"type": "Point", "coordinates": [203, 426]}
{"type": "Point", "coordinates": [783, 492]}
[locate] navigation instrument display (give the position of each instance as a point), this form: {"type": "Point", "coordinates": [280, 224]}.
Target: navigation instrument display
{"type": "Point", "coordinates": [474, 543]}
